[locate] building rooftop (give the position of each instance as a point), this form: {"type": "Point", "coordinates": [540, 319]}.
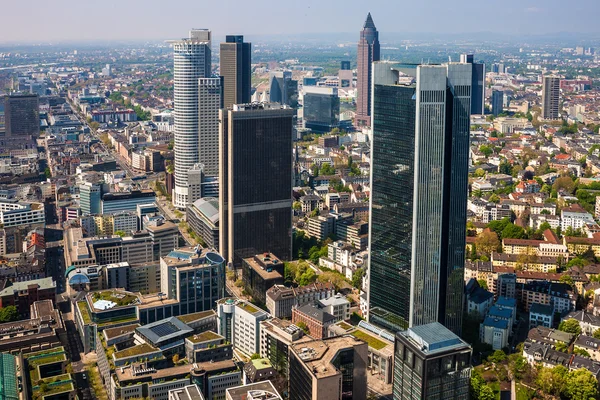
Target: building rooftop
{"type": "Point", "coordinates": [250, 308]}
{"type": "Point", "coordinates": [265, 266]}
{"type": "Point", "coordinates": [255, 391]}
{"type": "Point", "coordinates": [191, 392]}
{"type": "Point", "coordinates": [137, 350]}
{"type": "Point", "coordinates": [500, 312]}
{"type": "Point", "coordinates": [164, 330]}
{"type": "Point", "coordinates": [542, 309]}
{"type": "Point", "coordinates": [315, 312]}
{"type": "Point", "coordinates": [205, 337]}
{"type": "Point", "coordinates": [209, 207]}
{"type": "Point", "coordinates": [318, 355]}
{"type": "Point", "coordinates": [187, 318]}
{"type": "Point", "coordinates": [112, 333]}
{"type": "Point", "coordinates": [495, 322]}
{"type": "Point", "coordinates": [109, 299]}
{"type": "Point", "coordinates": [433, 338]}
{"type": "Point", "coordinates": [42, 284]}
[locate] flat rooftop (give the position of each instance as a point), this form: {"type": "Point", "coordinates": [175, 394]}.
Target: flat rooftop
{"type": "Point", "coordinates": [163, 330]}
{"type": "Point", "coordinates": [318, 355]}
{"type": "Point", "coordinates": [433, 338]}
{"type": "Point", "coordinates": [241, 392]}
{"type": "Point", "coordinates": [204, 337]}
{"type": "Point", "coordinates": [109, 299]}
{"type": "Point", "coordinates": [121, 330]}
{"type": "Point", "coordinates": [261, 270]}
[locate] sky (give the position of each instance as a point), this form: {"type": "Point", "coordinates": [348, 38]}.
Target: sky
{"type": "Point", "coordinates": [88, 20]}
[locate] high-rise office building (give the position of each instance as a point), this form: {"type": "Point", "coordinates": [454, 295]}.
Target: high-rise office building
{"type": "Point", "coordinates": [550, 97]}
{"type": "Point", "coordinates": [22, 115]}
{"type": "Point", "coordinates": [345, 75]}
{"type": "Point", "coordinates": [418, 200]}
{"type": "Point", "coordinates": [333, 368]}
{"type": "Point", "coordinates": [282, 88]}
{"type": "Point", "coordinates": [255, 181]}
{"type": "Point", "coordinates": [90, 196]}
{"type": "Point", "coordinates": [321, 108]}
{"type": "Point", "coordinates": [191, 62]}
{"type": "Point", "coordinates": [210, 100]}
{"type": "Point", "coordinates": [235, 66]}
{"type": "Point", "coordinates": [477, 84]}
{"type": "Point", "coordinates": [431, 362]}
{"type": "Point", "coordinates": [497, 102]}
{"type": "Point", "coordinates": [368, 52]}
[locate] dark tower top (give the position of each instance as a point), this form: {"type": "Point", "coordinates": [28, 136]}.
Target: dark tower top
{"type": "Point", "coordinates": [368, 51]}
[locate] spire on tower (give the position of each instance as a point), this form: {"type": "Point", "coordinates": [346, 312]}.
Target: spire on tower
{"type": "Point", "coordinates": [369, 22]}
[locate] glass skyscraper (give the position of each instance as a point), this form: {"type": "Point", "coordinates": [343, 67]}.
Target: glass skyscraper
{"type": "Point", "coordinates": [421, 122]}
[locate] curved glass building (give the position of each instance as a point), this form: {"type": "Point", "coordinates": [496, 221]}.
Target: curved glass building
{"type": "Point", "coordinates": [191, 58]}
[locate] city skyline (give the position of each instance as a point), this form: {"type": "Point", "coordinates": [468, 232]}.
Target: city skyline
{"type": "Point", "coordinates": [520, 18]}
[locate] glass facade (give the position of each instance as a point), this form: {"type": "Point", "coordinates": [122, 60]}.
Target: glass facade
{"type": "Point", "coordinates": [258, 176]}
{"type": "Point", "coordinates": [419, 188]}
{"type": "Point", "coordinates": [392, 201]}
{"type": "Point", "coordinates": [301, 381]}
{"type": "Point", "coordinates": [321, 111]}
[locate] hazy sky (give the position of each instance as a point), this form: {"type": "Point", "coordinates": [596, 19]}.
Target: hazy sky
{"type": "Point", "coordinates": [43, 20]}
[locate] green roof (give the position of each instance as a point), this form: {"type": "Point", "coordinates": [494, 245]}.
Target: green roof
{"type": "Point", "coordinates": [120, 298]}
{"type": "Point", "coordinates": [204, 336]}
{"type": "Point", "coordinates": [85, 314]}
{"type": "Point", "coordinates": [53, 385]}
{"type": "Point", "coordinates": [8, 377]}
{"type": "Point", "coordinates": [247, 307]}
{"type": "Point", "coordinates": [261, 363]}
{"type": "Point", "coordinates": [372, 341]}
{"type": "Point", "coordinates": [135, 351]}
{"type": "Point", "coordinates": [195, 316]}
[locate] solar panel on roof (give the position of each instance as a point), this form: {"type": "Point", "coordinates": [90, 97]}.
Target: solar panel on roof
{"type": "Point", "coordinates": [164, 329]}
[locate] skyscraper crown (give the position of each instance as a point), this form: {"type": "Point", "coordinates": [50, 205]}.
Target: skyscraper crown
{"type": "Point", "coordinates": [369, 22]}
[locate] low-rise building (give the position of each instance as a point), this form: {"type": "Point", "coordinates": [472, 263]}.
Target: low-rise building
{"type": "Point", "coordinates": [588, 322]}
{"type": "Point", "coordinates": [541, 315]}
{"type": "Point", "coordinates": [24, 294]}
{"type": "Point", "coordinates": [338, 306]}
{"type": "Point", "coordinates": [280, 300]}
{"type": "Point", "coordinates": [316, 319]}
{"type": "Point", "coordinates": [589, 344]}
{"type": "Point", "coordinates": [260, 273]}
{"type": "Point", "coordinates": [495, 332]}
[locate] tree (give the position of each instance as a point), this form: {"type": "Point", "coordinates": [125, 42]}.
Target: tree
{"type": "Point", "coordinates": [487, 242]}
{"type": "Point", "coordinates": [255, 356]}
{"type": "Point", "coordinates": [568, 279]}
{"type": "Point", "coordinates": [497, 357]}
{"type": "Point", "coordinates": [486, 150]}
{"type": "Point", "coordinates": [297, 206]}
{"type": "Point", "coordinates": [581, 352]}
{"type": "Point", "coordinates": [48, 173]}
{"type": "Point", "coordinates": [120, 233]}
{"type": "Point", "coordinates": [303, 326]}
{"type": "Point", "coordinates": [486, 393]}
{"type": "Point", "coordinates": [479, 172]}
{"type": "Point", "coordinates": [357, 278]}
{"type": "Point", "coordinates": [552, 380]}
{"type": "Point", "coordinates": [513, 231]}
{"type": "Point", "coordinates": [9, 314]}
{"type": "Point", "coordinates": [564, 183]}
{"type": "Point", "coordinates": [175, 358]}
{"type": "Point", "coordinates": [580, 385]}
{"type": "Point", "coordinates": [494, 198]}
{"type": "Point", "coordinates": [327, 169]}
{"type": "Point", "coordinates": [517, 365]}
{"type": "Point", "coordinates": [570, 326]}
{"type": "Point", "coordinates": [308, 277]}
{"type": "Point", "coordinates": [94, 125]}
{"type": "Point", "coordinates": [597, 334]}
{"type": "Point", "coordinates": [499, 225]}
{"type": "Point", "coordinates": [482, 283]}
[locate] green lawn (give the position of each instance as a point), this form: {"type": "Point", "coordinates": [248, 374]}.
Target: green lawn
{"type": "Point", "coordinates": [85, 314]}
{"type": "Point", "coordinates": [204, 336]}
{"type": "Point", "coordinates": [372, 341]}
{"type": "Point", "coordinates": [135, 351]}
{"type": "Point", "coordinates": [195, 316]}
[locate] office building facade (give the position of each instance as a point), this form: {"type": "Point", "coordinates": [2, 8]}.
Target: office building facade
{"type": "Point", "coordinates": [235, 68]}
{"type": "Point", "coordinates": [22, 115]}
{"type": "Point", "coordinates": [431, 362]}
{"type": "Point", "coordinates": [255, 181]}
{"type": "Point", "coordinates": [419, 188]}
{"type": "Point", "coordinates": [191, 62]}
{"type": "Point", "coordinates": [126, 201]}
{"type": "Point", "coordinates": [497, 102]}
{"type": "Point", "coordinates": [209, 102]}
{"type": "Point", "coordinates": [321, 108]}
{"type": "Point", "coordinates": [282, 88]}
{"type": "Point", "coordinates": [368, 52]}
{"type": "Point", "coordinates": [550, 97]}
{"type": "Point", "coordinates": [477, 84]}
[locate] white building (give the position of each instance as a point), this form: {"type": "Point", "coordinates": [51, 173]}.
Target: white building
{"type": "Point", "coordinates": [494, 332]}
{"type": "Point", "coordinates": [191, 62]}
{"type": "Point", "coordinates": [14, 213]}
{"type": "Point", "coordinates": [337, 306]}
{"type": "Point", "coordinates": [575, 217]}
{"type": "Point", "coordinates": [246, 327]}
{"type": "Point", "coordinates": [209, 103]}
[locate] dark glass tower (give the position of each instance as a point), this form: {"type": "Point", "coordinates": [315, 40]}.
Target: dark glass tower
{"type": "Point", "coordinates": [235, 67]}
{"type": "Point", "coordinates": [477, 85]}
{"type": "Point", "coordinates": [419, 188]}
{"type": "Point", "coordinates": [22, 115]}
{"type": "Point", "coordinates": [368, 51]}
{"type": "Point", "coordinates": [255, 181]}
